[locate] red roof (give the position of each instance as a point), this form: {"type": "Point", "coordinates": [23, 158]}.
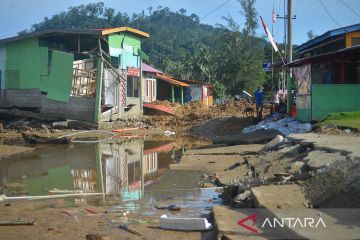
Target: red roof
{"type": "Point", "coordinates": [171, 80]}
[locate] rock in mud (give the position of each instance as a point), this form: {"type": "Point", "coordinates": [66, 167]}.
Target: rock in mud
{"type": "Point", "coordinates": [244, 200]}
{"type": "Point", "coordinates": [96, 236]}
{"type": "Point", "coordinates": [298, 167]}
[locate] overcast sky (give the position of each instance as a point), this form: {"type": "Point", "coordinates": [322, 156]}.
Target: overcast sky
{"type": "Point", "coordinates": [17, 15]}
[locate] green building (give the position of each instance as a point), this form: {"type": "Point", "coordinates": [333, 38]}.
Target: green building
{"type": "Point", "coordinates": [327, 74]}
{"type": "Point", "coordinates": [91, 75]}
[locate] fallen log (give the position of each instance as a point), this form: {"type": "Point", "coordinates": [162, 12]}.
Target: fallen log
{"type": "Point", "coordinates": [33, 138]}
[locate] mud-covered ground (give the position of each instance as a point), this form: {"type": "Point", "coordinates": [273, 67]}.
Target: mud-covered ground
{"type": "Point", "coordinates": [193, 125]}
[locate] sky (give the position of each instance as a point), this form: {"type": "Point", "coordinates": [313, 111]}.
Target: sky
{"type": "Point", "coordinates": [17, 15]}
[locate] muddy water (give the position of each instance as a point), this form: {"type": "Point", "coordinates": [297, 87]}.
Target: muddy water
{"type": "Point", "coordinates": [133, 176]}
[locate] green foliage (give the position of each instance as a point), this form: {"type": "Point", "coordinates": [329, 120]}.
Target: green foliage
{"type": "Point", "coordinates": [344, 120]}
{"type": "Point", "coordinates": [228, 56]}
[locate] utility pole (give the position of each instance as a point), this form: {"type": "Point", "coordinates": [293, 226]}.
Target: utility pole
{"type": "Point", "coordinates": [286, 19]}
{"type": "Point", "coordinates": [289, 54]}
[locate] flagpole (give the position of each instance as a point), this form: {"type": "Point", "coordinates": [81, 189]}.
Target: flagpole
{"type": "Point", "coordinates": [272, 52]}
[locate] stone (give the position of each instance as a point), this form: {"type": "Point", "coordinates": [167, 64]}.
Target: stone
{"type": "Point", "coordinates": [244, 200]}
{"type": "Point", "coordinates": [321, 159]}
{"type": "Point", "coordinates": [331, 125]}
{"type": "Point", "coordinates": [298, 167]}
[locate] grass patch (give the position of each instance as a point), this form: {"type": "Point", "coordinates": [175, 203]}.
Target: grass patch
{"type": "Point", "coordinates": [344, 120]}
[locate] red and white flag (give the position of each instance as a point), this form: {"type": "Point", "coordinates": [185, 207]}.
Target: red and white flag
{"type": "Point", "coordinates": [273, 15]}
{"type": "Point", "coordinates": [271, 39]}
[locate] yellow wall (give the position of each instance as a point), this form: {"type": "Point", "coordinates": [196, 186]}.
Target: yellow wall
{"type": "Point", "coordinates": [349, 36]}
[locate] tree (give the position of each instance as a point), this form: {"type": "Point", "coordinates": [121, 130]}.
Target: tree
{"type": "Point", "coordinates": [311, 34]}
{"type": "Point", "coordinates": [242, 52]}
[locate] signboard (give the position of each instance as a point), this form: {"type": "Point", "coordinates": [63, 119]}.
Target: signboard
{"type": "Point", "coordinates": [134, 72]}
{"type": "Point", "coordinates": [266, 67]}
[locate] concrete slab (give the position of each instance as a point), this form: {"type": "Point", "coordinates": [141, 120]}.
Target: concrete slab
{"type": "Point", "coordinates": [336, 223]}
{"type": "Point", "coordinates": [343, 144]}
{"type": "Point", "coordinates": [320, 159]}
{"type": "Point", "coordinates": [279, 196]}
{"type": "Point", "coordinates": [256, 137]}
{"type": "Point", "coordinates": [207, 163]}
{"type": "Point", "coordinates": [237, 149]}
{"type": "Point", "coordinates": [226, 219]}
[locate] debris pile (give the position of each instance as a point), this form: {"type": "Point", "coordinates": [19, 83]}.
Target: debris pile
{"type": "Point", "coordinates": [286, 125]}
{"type": "Point", "coordinates": [195, 113]}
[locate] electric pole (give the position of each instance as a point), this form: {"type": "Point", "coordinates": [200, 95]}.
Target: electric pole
{"type": "Point", "coordinates": [289, 54]}
{"type": "Point", "coordinates": [287, 17]}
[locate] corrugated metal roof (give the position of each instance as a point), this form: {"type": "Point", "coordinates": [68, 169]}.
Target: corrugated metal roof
{"type": "Point", "coordinates": [148, 68]}
{"type": "Point", "coordinates": [346, 53]}
{"type": "Point", "coordinates": [171, 80]}
{"type": "Point", "coordinates": [95, 32]}
{"type": "Point", "coordinates": [328, 34]}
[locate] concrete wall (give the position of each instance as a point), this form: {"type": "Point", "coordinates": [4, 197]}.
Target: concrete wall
{"type": "Point", "coordinates": [134, 112]}
{"type": "Point", "coordinates": [78, 108]}
{"type": "Point", "coordinates": [20, 98]}
{"type": "Point", "coordinates": [332, 98]}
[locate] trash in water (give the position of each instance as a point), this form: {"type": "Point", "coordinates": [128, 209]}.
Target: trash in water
{"type": "Point", "coordinates": [169, 133]}
{"type": "Point", "coordinates": [171, 207]}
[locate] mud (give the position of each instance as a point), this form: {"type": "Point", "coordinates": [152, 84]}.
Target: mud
{"type": "Point", "coordinates": [194, 113]}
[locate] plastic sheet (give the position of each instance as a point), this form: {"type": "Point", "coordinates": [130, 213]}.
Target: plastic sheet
{"type": "Point", "coordinates": [286, 126]}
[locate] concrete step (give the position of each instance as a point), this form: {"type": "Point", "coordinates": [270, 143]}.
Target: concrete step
{"type": "Point", "coordinates": [279, 196]}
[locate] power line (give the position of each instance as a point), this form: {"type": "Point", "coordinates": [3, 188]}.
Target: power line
{"type": "Point", "coordinates": [327, 11]}
{"type": "Point", "coordinates": [347, 5]}
{"type": "Point", "coordinates": [223, 4]}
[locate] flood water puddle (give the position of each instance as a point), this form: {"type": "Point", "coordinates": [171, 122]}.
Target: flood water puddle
{"type": "Point", "coordinates": [132, 175]}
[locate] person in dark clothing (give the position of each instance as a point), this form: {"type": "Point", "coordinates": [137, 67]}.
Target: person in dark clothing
{"type": "Point", "coordinates": [259, 101]}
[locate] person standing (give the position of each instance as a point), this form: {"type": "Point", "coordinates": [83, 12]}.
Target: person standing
{"type": "Point", "coordinates": [259, 99]}
{"type": "Point", "coordinates": [276, 101]}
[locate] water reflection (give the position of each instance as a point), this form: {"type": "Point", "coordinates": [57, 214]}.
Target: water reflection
{"type": "Point", "coordinates": [131, 174]}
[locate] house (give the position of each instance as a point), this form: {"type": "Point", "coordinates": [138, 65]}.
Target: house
{"type": "Point", "coordinates": [327, 74]}
{"type": "Point", "coordinates": [198, 91]}
{"type": "Point", "coordinates": [169, 88]}
{"type": "Point", "coordinates": [91, 75]}
{"type": "Point", "coordinates": [159, 86]}
{"type": "Point", "coordinates": [149, 82]}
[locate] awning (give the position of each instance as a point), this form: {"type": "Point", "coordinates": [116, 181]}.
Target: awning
{"type": "Point", "coordinates": [143, 55]}
{"type": "Point", "coordinates": [343, 54]}
{"type": "Point", "coordinates": [171, 80]}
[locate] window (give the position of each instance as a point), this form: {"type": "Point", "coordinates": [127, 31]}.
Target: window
{"type": "Point", "coordinates": [355, 41]}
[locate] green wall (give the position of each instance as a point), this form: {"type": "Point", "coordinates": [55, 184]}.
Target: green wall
{"type": "Point", "coordinates": [331, 98]}
{"type": "Point", "coordinates": [29, 66]}
{"type": "Point", "coordinates": [59, 177]}
{"type": "Point", "coordinates": [58, 83]}
{"type": "Point", "coordinates": [126, 46]}
{"type": "Point", "coordinates": [25, 64]}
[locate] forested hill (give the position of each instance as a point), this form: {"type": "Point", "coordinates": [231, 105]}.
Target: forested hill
{"type": "Point", "coordinates": [173, 35]}
{"type": "Point", "coordinates": [228, 56]}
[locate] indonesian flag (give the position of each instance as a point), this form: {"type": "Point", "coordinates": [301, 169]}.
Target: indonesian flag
{"type": "Point", "coordinates": [271, 39]}
{"type": "Point", "coordinates": [273, 15]}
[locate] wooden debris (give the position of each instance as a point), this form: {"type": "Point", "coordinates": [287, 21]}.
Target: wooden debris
{"type": "Point", "coordinates": [126, 228]}
{"type": "Point", "coordinates": [33, 138]}
{"type": "Point", "coordinates": [20, 221]}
